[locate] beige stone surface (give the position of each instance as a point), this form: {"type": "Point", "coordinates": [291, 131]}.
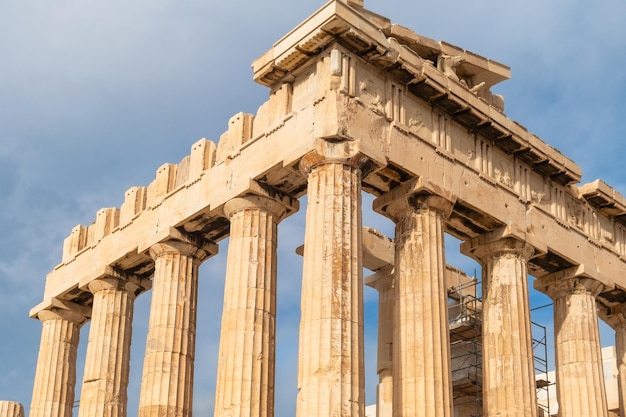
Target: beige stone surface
{"type": "Point", "coordinates": [55, 376]}
{"type": "Point", "coordinates": [168, 369]}
{"type": "Point", "coordinates": [579, 369]}
{"type": "Point", "coordinates": [508, 361]}
{"type": "Point", "coordinates": [11, 409]}
{"type": "Point", "coordinates": [330, 359]}
{"type": "Point", "coordinates": [549, 396]}
{"type": "Point", "coordinates": [246, 365]}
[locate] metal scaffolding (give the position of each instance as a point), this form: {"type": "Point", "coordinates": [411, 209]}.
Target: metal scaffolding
{"type": "Point", "coordinates": [465, 319]}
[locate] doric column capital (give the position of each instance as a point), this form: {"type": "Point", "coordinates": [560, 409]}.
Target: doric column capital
{"type": "Point", "coordinates": [274, 207]}
{"type": "Point", "coordinates": [199, 251]}
{"type": "Point", "coordinates": [65, 310]}
{"type": "Point", "coordinates": [263, 197]}
{"type": "Point", "coordinates": [341, 151]}
{"type": "Point", "coordinates": [566, 282]}
{"type": "Point", "coordinates": [483, 249]}
{"type": "Point", "coordinates": [415, 194]}
{"type": "Point", "coordinates": [114, 279]}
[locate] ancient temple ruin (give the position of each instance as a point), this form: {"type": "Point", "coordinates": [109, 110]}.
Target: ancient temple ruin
{"type": "Point", "coordinates": [357, 104]}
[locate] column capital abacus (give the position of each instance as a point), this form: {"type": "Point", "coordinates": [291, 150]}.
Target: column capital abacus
{"type": "Point", "coordinates": [415, 194]}
{"type": "Point", "coordinates": [187, 245]}
{"type": "Point", "coordinates": [263, 197]}
{"type": "Point", "coordinates": [65, 310]}
{"type": "Point", "coordinates": [568, 281]}
{"type": "Point", "coordinates": [495, 245]}
{"type": "Point", "coordinates": [113, 278]}
{"type": "Point", "coordinates": [338, 151]}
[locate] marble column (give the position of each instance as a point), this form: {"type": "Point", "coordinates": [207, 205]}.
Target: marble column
{"type": "Point", "coordinates": [421, 342]}
{"type": "Point", "coordinates": [11, 409]}
{"type": "Point", "coordinates": [246, 366]}
{"type": "Point", "coordinates": [382, 281]}
{"type": "Point", "coordinates": [617, 320]}
{"type": "Point", "coordinates": [578, 353]}
{"type": "Point", "coordinates": [330, 362]}
{"type": "Point", "coordinates": [107, 361]}
{"type": "Point", "coordinates": [55, 376]}
{"type": "Point", "coordinates": [167, 381]}
{"type": "Point", "coordinates": [509, 388]}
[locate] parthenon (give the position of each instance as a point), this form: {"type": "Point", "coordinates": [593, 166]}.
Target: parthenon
{"type": "Point", "coordinates": [357, 104]}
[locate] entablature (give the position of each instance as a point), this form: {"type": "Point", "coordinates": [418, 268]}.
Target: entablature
{"type": "Point", "coordinates": [406, 114]}
{"type": "Point", "coordinates": [606, 199]}
{"type": "Point", "coordinates": [414, 61]}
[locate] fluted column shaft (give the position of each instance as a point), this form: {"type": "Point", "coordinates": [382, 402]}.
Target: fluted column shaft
{"type": "Point", "coordinates": [618, 322]}
{"type": "Point", "coordinates": [167, 381]}
{"type": "Point", "coordinates": [330, 368]}
{"type": "Point", "coordinates": [620, 353]}
{"type": "Point", "coordinates": [246, 366]}
{"type": "Point", "coordinates": [382, 281]}
{"type": "Point", "coordinates": [11, 409]}
{"type": "Point", "coordinates": [55, 377]}
{"type": "Point", "coordinates": [107, 362]}
{"type": "Point", "coordinates": [508, 360]}
{"type": "Point", "coordinates": [421, 343]}
{"type": "Point", "coordinates": [578, 352]}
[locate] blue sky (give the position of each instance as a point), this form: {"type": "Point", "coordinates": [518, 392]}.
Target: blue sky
{"type": "Point", "coordinates": [95, 96]}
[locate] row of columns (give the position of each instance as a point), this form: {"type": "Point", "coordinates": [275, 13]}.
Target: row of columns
{"type": "Point", "coordinates": [414, 348]}
{"type": "Point", "coordinates": [168, 366]}
{"type": "Point", "coordinates": [508, 365]}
